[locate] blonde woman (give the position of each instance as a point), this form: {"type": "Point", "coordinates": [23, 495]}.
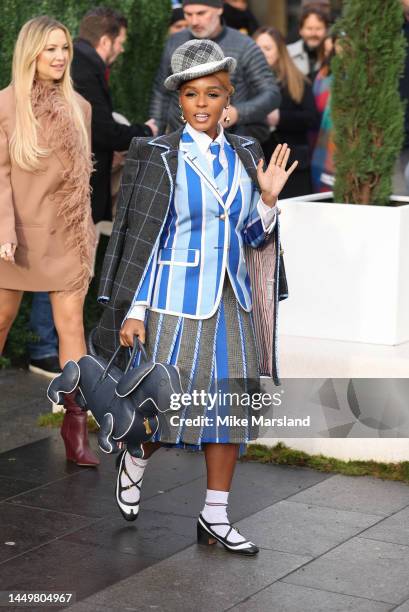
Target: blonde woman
{"type": "Point", "coordinates": [297, 114]}
{"type": "Point", "coordinates": [46, 232]}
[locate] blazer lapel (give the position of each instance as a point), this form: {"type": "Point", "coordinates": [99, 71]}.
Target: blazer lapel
{"type": "Point", "coordinates": [168, 141]}
{"type": "Point", "coordinates": [199, 164]}
{"type": "Point", "coordinates": [171, 157]}
{"type": "Point", "coordinates": [169, 144]}
{"type": "Point", "coordinates": [234, 182]}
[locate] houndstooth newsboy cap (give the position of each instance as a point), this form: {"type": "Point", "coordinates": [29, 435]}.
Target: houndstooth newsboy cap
{"type": "Point", "coordinates": [197, 58]}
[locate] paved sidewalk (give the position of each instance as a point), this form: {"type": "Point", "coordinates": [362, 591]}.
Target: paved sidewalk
{"type": "Point", "coordinates": [22, 399]}
{"type": "Point", "coordinates": [328, 542]}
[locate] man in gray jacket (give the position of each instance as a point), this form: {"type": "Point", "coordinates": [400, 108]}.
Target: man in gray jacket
{"type": "Point", "coordinates": [256, 90]}
{"type": "Point", "coordinates": [308, 53]}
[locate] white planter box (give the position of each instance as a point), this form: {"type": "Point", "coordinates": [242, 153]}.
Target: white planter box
{"type": "Point", "coordinates": [348, 270]}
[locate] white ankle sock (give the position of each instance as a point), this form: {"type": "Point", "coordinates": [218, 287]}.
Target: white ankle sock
{"type": "Point", "coordinates": [135, 468]}
{"type": "Point", "coordinates": [215, 511]}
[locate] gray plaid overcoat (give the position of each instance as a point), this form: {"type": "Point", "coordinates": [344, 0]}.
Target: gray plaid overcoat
{"type": "Point", "coordinates": [145, 194]}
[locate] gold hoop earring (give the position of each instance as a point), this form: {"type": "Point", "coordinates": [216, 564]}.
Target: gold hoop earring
{"type": "Point", "coordinates": [182, 115]}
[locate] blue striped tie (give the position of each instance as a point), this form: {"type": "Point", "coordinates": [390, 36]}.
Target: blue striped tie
{"type": "Point", "coordinates": [217, 167]}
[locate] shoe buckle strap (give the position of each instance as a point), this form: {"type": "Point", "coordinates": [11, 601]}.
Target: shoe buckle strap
{"type": "Point", "coordinates": [133, 483]}
{"type": "Point", "coordinates": [130, 486]}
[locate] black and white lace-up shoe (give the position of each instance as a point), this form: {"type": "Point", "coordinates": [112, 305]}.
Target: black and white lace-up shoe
{"type": "Point", "coordinates": [207, 535]}
{"type": "Point", "coordinates": [129, 510]}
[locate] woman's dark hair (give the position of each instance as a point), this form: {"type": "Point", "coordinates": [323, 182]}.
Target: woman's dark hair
{"type": "Point", "coordinates": [286, 71]}
{"type": "Point", "coordinates": [101, 21]}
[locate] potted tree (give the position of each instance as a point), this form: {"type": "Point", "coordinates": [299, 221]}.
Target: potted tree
{"type": "Point", "coordinates": [347, 252]}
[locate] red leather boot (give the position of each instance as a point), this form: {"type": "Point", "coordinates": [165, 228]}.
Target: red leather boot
{"type": "Point", "coordinates": [74, 432]}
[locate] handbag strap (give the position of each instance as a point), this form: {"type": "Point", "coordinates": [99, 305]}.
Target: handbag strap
{"type": "Point", "coordinates": [137, 346]}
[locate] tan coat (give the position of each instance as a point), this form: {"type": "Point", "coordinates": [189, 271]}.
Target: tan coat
{"type": "Point", "coordinates": [28, 213]}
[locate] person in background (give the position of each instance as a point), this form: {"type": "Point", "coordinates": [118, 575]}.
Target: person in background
{"type": "Point", "coordinates": [296, 115]}
{"type": "Point", "coordinates": [237, 15]}
{"type": "Point", "coordinates": [256, 91]}
{"type": "Point", "coordinates": [307, 53]}
{"type": "Point", "coordinates": [322, 5]}
{"type": "Point", "coordinates": [322, 82]}
{"type": "Point", "coordinates": [43, 351]}
{"type": "Point", "coordinates": [102, 36]}
{"type": "Point", "coordinates": [47, 238]}
{"type": "Point", "coordinates": [401, 173]}
{"type": "Point", "coordinates": [177, 21]}
{"type": "Point", "coordinates": [322, 163]}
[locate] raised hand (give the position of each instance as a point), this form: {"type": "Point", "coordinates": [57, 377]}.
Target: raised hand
{"type": "Point", "coordinates": [275, 177]}
{"type": "Point", "coordinates": [7, 251]}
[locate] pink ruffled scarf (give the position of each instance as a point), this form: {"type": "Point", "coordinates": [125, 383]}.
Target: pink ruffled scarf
{"type": "Point", "coordinates": [73, 198]}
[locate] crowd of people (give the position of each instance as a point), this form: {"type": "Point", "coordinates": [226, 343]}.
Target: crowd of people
{"type": "Point", "coordinates": [293, 71]}
{"type": "Point", "coordinates": [224, 84]}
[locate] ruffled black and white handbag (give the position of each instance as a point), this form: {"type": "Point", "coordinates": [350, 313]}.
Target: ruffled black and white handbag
{"type": "Point", "coordinates": [125, 404]}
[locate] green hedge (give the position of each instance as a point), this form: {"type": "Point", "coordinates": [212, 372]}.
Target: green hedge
{"type": "Point", "coordinates": [131, 82]}
{"type": "Point", "coordinates": [132, 74]}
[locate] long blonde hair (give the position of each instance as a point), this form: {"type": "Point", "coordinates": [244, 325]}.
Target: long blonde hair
{"type": "Point", "coordinates": [286, 71]}
{"type": "Point", "coordinates": [31, 41]}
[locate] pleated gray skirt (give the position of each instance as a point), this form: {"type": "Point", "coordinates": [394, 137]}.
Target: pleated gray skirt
{"type": "Point", "coordinates": [217, 359]}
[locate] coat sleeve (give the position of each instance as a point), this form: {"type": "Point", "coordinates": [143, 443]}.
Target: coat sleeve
{"type": "Point", "coordinates": [7, 220]}
{"type": "Point", "coordinates": [143, 295]}
{"type": "Point", "coordinates": [259, 225]}
{"type": "Point", "coordinates": [262, 82]}
{"type": "Point", "coordinates": [114, 250]}
{"type": "Point", "coordinates": [107, 134]}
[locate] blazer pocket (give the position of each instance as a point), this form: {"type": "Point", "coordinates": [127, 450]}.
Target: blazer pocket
{"type": "Point", "coordinates": [179, 257]}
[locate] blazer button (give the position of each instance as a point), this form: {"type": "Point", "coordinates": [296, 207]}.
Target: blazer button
{"type": "Point", "coordinates": [223, 216]}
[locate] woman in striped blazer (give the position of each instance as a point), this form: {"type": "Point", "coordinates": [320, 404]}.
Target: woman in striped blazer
{"type": "Point", "coordinates": [193, 244]}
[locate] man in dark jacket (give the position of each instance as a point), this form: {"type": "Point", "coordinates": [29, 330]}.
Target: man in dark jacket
{"type": "Point", "coordinates": [237, 15]}
{"type": "Point", "coordinates": [256, 90]}
{"type": "Point", "coordinates": [102, 35]}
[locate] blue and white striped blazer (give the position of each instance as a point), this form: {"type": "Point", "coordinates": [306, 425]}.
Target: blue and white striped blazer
{"type": "Point", "coordinates": [146, 194]}
{"type": "Point", "coordinates": [203, 238]}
